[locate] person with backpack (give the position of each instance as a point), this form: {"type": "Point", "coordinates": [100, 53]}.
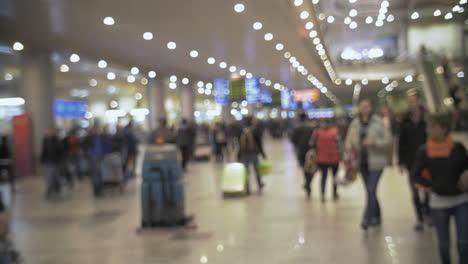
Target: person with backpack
{"type": "Point", "coordinates": [250, 147]}
{"type": "Point", "coordinates": [301, 139]}
{"type": "Point", "coordinates": [326, 141]}
{"type": "Point", "coordinates": [370, 139]}
{"type": "Point", "coordinates": [412, 136]}
{"type": "Point", "coordinates": [441, 168]}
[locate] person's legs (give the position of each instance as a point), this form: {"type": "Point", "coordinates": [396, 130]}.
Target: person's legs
{"type": "Point", "coordinates": [324, 170]}
{"type": "Point", "coordinates": [461, 220]}
{"type": "Point", "coordinates": [374, 206]}
{"type": "Point", "coordinates": [257, 172]}
{"type": "Point", "coordinates": [417, 205]}
{"type": "Point", "coordinates": [335, 181]}
{"type": "Point", "coordinates": [365, 177]}
{"type": "Point", "coordinates": [247, 162]}
{"type": "Point", "coordinates": [441, 220]}
{"type": "Point", "coordinates": [96, 175]}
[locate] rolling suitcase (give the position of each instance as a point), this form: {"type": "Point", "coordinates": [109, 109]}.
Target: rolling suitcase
{"type": "Point", "coordinates": [234, 179]}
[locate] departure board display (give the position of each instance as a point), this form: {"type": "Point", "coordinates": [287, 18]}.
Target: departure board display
{"type": "Point", "coordinates": [237, 90]}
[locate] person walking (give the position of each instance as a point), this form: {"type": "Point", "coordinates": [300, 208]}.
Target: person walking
{"type": "Point", "coordinates": [53, 157]}
{"type": "Point", "coordinates": [250, 147]}
{"type": "Point", "coordinates": [326, 140]}
{"type": "Point", "coordinates": [412, 135]}
{"type": "Point", "coordinates": [301, 139]}
{"type": "Point", "coordinates": [438, 168]}
{"type": "Point", "coordinates": [96, 152]}
{"type": "Point", "coordinates": [183, 142]}
{"type": "Point", "coordinates": [220, 141]}
{"type": "Point", "coordinates": [368, 136]}
{"type": "Point", "coordinates": [6, 162]}
{"type": "Point", "coordinates": [72, 151]}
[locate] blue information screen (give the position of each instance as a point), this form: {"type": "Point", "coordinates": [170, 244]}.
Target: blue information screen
{"type": "Point", "coordinates": [70, 109]}
{"type": "Point", "coordinates": [252, 90]}
{"type": "Point", "coordinates": [266, 97]}
{"type": "Point", "coordinates": [221, 91]}
{"type": "Point", "coordinates": [306, 105]}
{"type": "Point", "coordinates": [287, 100]}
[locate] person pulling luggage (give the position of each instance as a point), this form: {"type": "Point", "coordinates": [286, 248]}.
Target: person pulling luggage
{"type": "Point", "coordinates": [250, 147]}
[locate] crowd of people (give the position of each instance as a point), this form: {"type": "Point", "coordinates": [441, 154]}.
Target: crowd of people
{"type": "Point", "coordinates": [436, 165]}
{"type": "Point", "coordinates": [68, 159]}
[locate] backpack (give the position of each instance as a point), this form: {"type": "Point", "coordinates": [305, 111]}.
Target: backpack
{"type": "Point", "coordinates": [247, 142]}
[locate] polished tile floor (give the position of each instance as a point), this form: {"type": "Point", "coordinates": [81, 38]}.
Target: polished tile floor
{"type": "Point", "coordinates": [280, 226]}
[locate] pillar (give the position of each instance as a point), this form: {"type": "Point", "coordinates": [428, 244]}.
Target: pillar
{"type": "Point", "coordinates": [187, 101]}
{"type": "Point", "coordinates": [156, 93]}
{"type": "Point", "coordinates": [37, 89]}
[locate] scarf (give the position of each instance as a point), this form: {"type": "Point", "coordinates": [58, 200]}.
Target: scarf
{"type": "Point", "coordinates": [439, 149]}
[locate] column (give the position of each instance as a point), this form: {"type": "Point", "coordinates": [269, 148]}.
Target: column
{"type": "Point", "coordinates": [37, 89]}
{"type": "Point", "coordinates": [226, 112]}
{"type": "Point", "coordinates": [156, 93]}
{"type": "Point", "coordinates": [187, 101]}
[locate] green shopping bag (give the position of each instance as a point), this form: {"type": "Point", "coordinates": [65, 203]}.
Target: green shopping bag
{"type": "Point", "coordinates": [264, 168]}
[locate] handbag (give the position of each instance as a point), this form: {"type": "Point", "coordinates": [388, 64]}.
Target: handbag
{"type": "Point", "coordinates": [264, 168]}
{"type": "Point", "coordinates": [463, 182]}
{"type": "Point", "coordinates": [351, 166]}
{"type": "Point", "coordinates": [310, 163]}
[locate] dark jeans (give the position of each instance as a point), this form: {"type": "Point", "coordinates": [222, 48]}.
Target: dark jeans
{"type": "Point", "coordinates": [308, 180]}
{"type": "Point", "coordinates": [54, 179]}
{"type": "Point", "coordinates": [252, 160]}
{"type": "Point", "coordinates": [441, 220]}
{"type": "Point", "coordinates": [421, 206]}
{"type": "Point", "coordinates": [324, 168]}
{"type": "Point", "coordinates": [372, 214]}
{"type": "Point", "coordinates": [185, 150]}
{"type": "Point", "coordinates": [95, 166]}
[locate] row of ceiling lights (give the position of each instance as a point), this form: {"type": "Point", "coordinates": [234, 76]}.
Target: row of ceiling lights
{"type": "Point", "coordinates": [239, 8]}
{"type": "Point", "coordinates": [448, 15]}
{"type": "Point", "coordinates": [223, 65]}
{"type": "Point", "coordinates": [313, 34]}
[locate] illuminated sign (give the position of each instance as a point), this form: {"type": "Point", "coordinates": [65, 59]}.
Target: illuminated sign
{"type": "Point", "coordinates": [252, 90]}
{"type": "Point", "coordinates": [237, 90]}
{"type": "Point", "coordinates": [221, 91]}
{"type": "Point", "coordinates": [266, 97]}
{"type": "Point", "coordinates": [70, 109]}
{"type": "Point", "coordinates": [287, 100]}
{"type": "Point", "coordinates": [311, 95]}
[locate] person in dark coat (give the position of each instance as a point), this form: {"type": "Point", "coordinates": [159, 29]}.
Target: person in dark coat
{"type": "Point", "coordinates": [53, 157]}
{"type": "Point", "coordinates": [184, 142]}
{"type": "Point", "coordinates": [6, 161]}
{"type": "Point", "coordinates": [300, 138]}
{"type": "Point", "coordinates": [412, 135]}
{"type": "Point", "coordinates": [439, 168]}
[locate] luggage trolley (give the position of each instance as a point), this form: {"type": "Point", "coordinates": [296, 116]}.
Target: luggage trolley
{"type": "Point", "coordinates": [162, 188]}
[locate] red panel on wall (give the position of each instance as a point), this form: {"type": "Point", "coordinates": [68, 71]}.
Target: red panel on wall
{"type": "Point", "coordinates": [22, 144]}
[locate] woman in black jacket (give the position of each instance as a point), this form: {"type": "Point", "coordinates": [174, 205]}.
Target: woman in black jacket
{"type": "Point", "coordinates": [437, 169]}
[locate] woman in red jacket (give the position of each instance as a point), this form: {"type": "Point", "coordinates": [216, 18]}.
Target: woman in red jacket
{"type": "Point", "coordinates": [328, 153]}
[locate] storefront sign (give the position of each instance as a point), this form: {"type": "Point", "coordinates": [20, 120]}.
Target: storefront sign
{"type": "Point", "coordinates": [311, 95]}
